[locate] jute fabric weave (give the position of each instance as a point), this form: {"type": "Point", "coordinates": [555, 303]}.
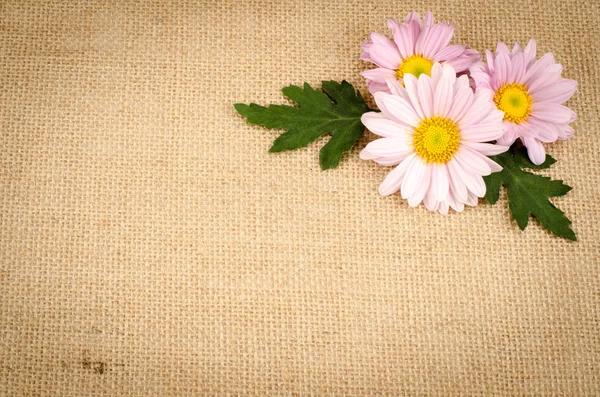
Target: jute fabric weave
{"type": "Point", "coordinates": [150, 246]}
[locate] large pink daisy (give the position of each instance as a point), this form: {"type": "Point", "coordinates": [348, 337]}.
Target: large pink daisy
{"type": "Point", "coordinates": [416, 46]}
{"type": "Point", "coordinates": [435, 129]}
{"type": "Point", "coordinates": [530, 94]}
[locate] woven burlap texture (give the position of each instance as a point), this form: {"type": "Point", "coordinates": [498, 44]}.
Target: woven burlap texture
{"type": "Point", "coordinates": [151, 246]}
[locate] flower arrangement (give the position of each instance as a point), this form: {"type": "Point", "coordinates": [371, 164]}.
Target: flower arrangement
{"type": "Point", "coordinates": [454, 128]}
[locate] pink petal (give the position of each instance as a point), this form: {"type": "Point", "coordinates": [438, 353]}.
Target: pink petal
{"type": "Point", "coordinates": [379, 74]}
{"type": "Point", "coordinates": [377, 87]}
{"type": "Point", "coordinates": [509, 136]}
{"type": "Point", "coordinates": [482, 104]}
{"type": "Point", "coordinates": [516, 49]}
{"type": "Point", "coordinates": [442, 99]}
{"type": "Point", "coordinates": [440, 182]}
{"type": "Point", "coordinates": [494, 167]}
{"type": "Point", "coordinates": [440, 37]}
{"type": "Point", "coordinates": [491, 61]}
{"type": "Point", "coordinates": [450, 52]}
{"type": "Point", "coordinates": [442, 207]}
{"type": "Point", "coordinates": [413, 16]}
{"type": "Point", "coordinates": [535, 150]}
{"type": "Point", "coordinates": [412, 89]}
{"type": "Point", "coordinates": [526, 128]}
{"type": "Point", "coordinates": [546, 60]}
{"type": "Point", "coordinates": [502, 49]}
{"type": "Point", "coordinates": [472, 199]}
{"type": "Point", "coordinates": [565, 132]}
{"type": "Point", "coordinates": [428, 19]}
{"type": "Point", "coordinates": [396, 88]}
{"type": "Point", "coordinates": [557, 92]}
{"type": "Point", "coordinates": [518, 68]}
{"type": "Point", "coordinates": [544, 77]}
{"type": "Point", "coordinates": [462, 62]}
{"type": "Point", "coordinates": [463, 98]}
{"type": "Point", "coordinates": [456, 204]}
{"type": "Point", "coordinates": [380, 124]}
{"type": "Point", "coordinates": [429, 200]}
{"type": "Point", "coordinates": [503, 67]}
{"type": "Point", "coordinates": [403, 37]}
{"type": "Point", "coordinates": [384, 52]}
{"type": "Point", "coordinates": [482, 132]}
{"type": "Point", "coordinates": [474, 183]}
{"type": "Point", "coordinates": [487, 149]}
{"type": "Point", "coordinates": [470, 161]}
{"type": "Point", "coordinates": [392, 182]}
{"type": "Point", "coordinates": [414, 177]}
{"type": "Point", "coordinates": [386, 148]}
{"type": "Point", "coordinates": [457, 186]}
{"type": "Point", "coordinates": [552, 112]}
{"type": "Point", "coordinates": [530, 52]}
{"type": "Point", "coordinates": [401, 109]}
{"type": "Point", "coordinates": [436, 74]}
{"type": "Point", "coordinates": [544, 131]}
{"type": "Point", "coordinates": [425, 86]}
{"type": "Point", "coordinates": [422, 186]}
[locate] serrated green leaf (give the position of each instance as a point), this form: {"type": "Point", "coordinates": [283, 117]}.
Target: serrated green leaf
{"type": "Point", "coordinates": [336, 109]}
{"type": "Point", "coordinates": [529, 194]}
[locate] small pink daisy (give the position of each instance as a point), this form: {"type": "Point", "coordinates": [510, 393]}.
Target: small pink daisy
{"type": "Point", "coordinates": [530, 93]}
{"type": "Point", "coordinates": [435, 128]}
{"type": "Point", "coordinates": [416, 46]}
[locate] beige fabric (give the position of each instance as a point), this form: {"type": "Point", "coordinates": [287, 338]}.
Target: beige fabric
{"type": "Point", "coordinates": [150, 246]}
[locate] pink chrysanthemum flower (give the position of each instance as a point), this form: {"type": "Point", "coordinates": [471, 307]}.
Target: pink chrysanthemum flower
{"type": "Point", "coordinates": [435, 128]}
{"type": "Point", "coordinates": [416, 46]}
{"type": "Point", "coordinates": [530, 94]}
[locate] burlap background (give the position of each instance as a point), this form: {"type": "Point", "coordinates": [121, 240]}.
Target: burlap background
{"type": "Point", "coordinates": [149, 244]}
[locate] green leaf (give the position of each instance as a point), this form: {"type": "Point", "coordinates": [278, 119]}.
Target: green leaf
{"type": "Point", "coordinates": [529, 194]}
{"type": "Point", "coordinates": [336, 109]}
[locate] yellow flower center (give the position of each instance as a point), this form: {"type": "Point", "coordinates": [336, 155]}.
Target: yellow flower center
{"type": "Point", "coordinates": [415, 65]}
{"type": "Point", "coordinates": [514, 100]}
{"type": "Point", "coordinates": [436, 139]}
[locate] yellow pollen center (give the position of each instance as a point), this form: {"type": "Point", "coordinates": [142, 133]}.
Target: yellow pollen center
{"type": "Point", "coordinates": [514, 100]}
{"type": "Point", "coordinates": [436, 139]}
{"type": "Point", "coordinates": [415, 65]}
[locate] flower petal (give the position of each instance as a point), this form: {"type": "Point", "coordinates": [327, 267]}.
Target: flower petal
{"type": "Point", "coordinates": [379, 74]}
{"type": "Point", "coordinates": [438, 38]}
{"type": "Point", "coordinates": [487, 149]}
{"type": "Point", "coordinates": [457, 186]}
{"type": "Point", "coordinates": [386, 148]}
{"type": "Point", "coordinates": [517, 68]}
{"type": "Point", "coordinates": [482, 132]}
{"type": "Point", "coordinates": [381, 125]}
{"type": "Point", "coordinates": [414, 177]}
{"type": "Point", "coordinates": [401, 109]}
{"type": "Point", "coordinates": [463, 98]}
{"type": "Point", "coordinates": [535, 150]}
{"type": "Point", "coordinates": [557, 92]}
{"type": "Point", "coordinates": [392, 182]}
{"type": "Point", "coordinates": [552, 112]}
{"type": "Point", "coordinates": [530, 52]}
{"type": "Point", "coordinates": [412, 89]}
{"type": "Point", "coordinates": [422, 186]}
{"type": "Point", "coordinates": [384, 52]}
{"type": "Point", "coordinates": [482, 104]}
{"type": "Point", "coordinates": [456, 204]}
{"type": "Point", "coordinates": [449, 52]}
{"type": "Point", "coordinates": [440, 182]}
{"type": "Point", "coordinates": [474, 183]}
{"type": "Point", "coordinates": [442, 100]}
{"type": "Point", "coordinates": [470, 161]}
{"type": "Point", "coordinates": [425, 86]}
